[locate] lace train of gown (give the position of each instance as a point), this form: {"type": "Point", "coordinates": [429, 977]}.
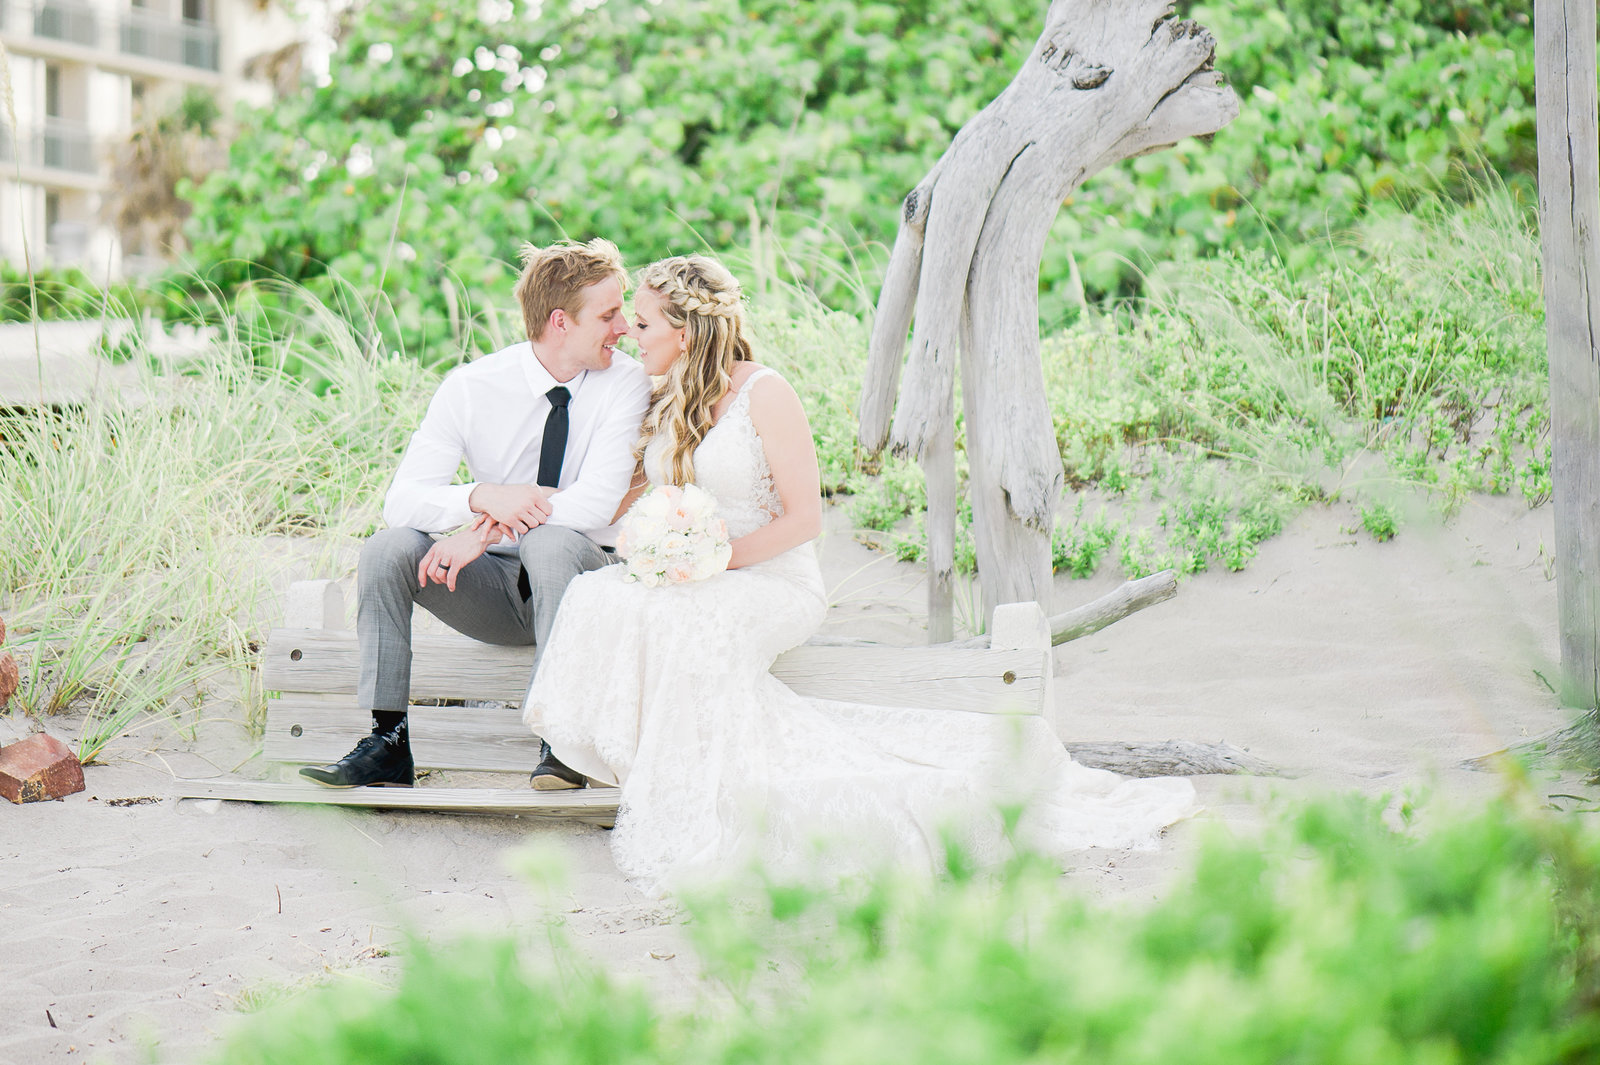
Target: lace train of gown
{"type": "Point", "coordinates": [666, 693]}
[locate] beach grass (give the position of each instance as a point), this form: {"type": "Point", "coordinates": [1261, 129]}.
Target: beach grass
{"type": "Point", "coordinates": [142, 533]}
{"type": "Point", "coordinates": [134, 573]}
{"type": "Point", "coordinates": [1194, 421]}
{"type": "Point", "coordinates": [139, 532]}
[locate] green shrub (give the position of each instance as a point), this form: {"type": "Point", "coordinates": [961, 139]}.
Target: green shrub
{"type": "Point", "coordinates": [1346, 108]}
{"type": "Point", "coordinates": [1380, 521]}
{"type": "Point", "coordinates": [66, 293]}
{"type": "Point", "coordinates": [1240, 389]}
{"type": "Point", "coordinates": [1336, 938]}
{"type": "Point", "coordinates": [445, 135]}
{"type": "Point", "coordinates": [467, 1005]}
{"type": "Point", "coordinates": [1078, 546]}
{"type": "Point", "coordinates": [879, 502]}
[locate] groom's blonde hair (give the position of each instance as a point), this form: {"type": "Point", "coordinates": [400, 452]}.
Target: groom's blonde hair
{"type": "Point", "coordinates": [699, 296]}
{"type": "Point", "coordinates": [556, 275]}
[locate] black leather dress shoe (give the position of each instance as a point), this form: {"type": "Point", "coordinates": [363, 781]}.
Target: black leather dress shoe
{"type": "Point", "coordinates": [375, 760]}
{"type": "Point", "coordinates": [551, 775]}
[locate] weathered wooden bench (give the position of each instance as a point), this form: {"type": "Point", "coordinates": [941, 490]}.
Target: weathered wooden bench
{"type": "Point", "coordinates": [309, 669]}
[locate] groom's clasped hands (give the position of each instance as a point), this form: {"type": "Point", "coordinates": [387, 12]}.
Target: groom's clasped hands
{"type": "Point", "coordinates": [505, 511]}
{"type": "Point", "coordinates": [517, 507]}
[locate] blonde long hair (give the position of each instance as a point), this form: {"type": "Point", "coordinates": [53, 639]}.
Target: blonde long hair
{"type": "Point", "coordinates": [699, 296]}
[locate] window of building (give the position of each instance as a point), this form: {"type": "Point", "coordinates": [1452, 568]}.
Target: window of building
{"type": "Point", "coordinates": [52, 90]}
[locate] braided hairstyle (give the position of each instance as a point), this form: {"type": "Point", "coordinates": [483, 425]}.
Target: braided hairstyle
{"type": "Point", "coordinates": [699, 296]}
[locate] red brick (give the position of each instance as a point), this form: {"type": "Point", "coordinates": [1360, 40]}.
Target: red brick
{"type": "Point", "coordinates": [37, 768]}
{"type": "Point", "coordinates": [10, 677]}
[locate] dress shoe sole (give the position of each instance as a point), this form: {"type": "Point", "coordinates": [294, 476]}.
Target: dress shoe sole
{"type": "Point", "coordinates": [347, 787]}
{"type": "Point", "coordinates": [551, 782]}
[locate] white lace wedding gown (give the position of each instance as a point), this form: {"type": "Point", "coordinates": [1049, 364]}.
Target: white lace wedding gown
{"type": "Point", "coordinates": [666, 692]}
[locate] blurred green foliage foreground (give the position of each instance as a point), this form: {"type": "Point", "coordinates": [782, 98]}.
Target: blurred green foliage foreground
{"type": "Point", "coordinates": [1338, 938]}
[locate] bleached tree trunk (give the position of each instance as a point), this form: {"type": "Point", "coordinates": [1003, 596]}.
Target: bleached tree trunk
{"type": "Point", "coordinates": [1106, 80]}
{"type": "Point", "coordinates": [1569, 234]}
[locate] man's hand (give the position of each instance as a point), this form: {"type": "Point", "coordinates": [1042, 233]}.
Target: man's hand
{"type": "Point", "coordinates": [490, 531]}
{"type": "Point", "coordinates": [519, 507]}
{"type": "Point", "coordinates": [447, 557]}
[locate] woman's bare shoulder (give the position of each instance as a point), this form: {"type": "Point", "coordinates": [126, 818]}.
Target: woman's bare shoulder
{"type": "Point", "coordinates": [771, 395]}
{"type": "Point", "coordinates": [743, 371]}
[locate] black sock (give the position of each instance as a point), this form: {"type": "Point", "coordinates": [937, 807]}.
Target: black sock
{"type": "Point", "coordinates": [390, 724]}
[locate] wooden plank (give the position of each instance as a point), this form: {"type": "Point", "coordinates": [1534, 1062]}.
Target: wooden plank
{"type": "Point", "coordinates": [597, 805]}
{"type": "Point", "coordinates": [442, 667]}
{"type": "Point", "coordinates": [446, 667]}
{"type": "Point", "coordinates": [928, 677]}
{"type": "Point", "coordinates": [311, 729]}
{"type": "Point", "coordinates": [1569, 227]}
{"type": "Point", "coordinates": [1023, 627]}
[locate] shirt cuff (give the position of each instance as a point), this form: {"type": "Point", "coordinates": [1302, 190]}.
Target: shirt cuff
{"type": "Point", "coordinates": [452, 503]}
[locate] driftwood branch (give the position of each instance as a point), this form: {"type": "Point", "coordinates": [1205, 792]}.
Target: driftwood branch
{"type": "Point", "coordinates": [1169, 758]}
{"type": "Point", "coordinates": [896, 303]}
{"type": "Point", "coordinates": [1575, 747]}
{"type": "Point", "coordinates": [1128, 598]}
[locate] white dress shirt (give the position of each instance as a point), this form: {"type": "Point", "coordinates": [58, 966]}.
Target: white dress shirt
{"type": "Point", "coordinates": [491, 413]}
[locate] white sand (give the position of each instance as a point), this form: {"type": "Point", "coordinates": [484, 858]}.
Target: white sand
{"type": "Point", "coordinates": [1354, 665]}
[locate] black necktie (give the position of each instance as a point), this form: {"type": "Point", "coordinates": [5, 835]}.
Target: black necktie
{"type": "Point", "coordinates": [554, 448]}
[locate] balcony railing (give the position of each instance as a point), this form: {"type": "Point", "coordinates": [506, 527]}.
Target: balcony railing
{"type": "Point", "coordinates": [63, 20]}
{"type": "Point", "coordinates": [58, 144]}
{"type": "Point", "coordinates": [139, 33]}
{"type": "Point", "coordinates": [194, 44]}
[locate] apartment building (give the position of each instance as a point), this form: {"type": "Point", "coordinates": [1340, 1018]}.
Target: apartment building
{"type": "Point", "coordinates": [83, 72]}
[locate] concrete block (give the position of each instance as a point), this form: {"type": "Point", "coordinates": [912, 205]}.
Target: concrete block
{"type": "Point", "coordinates": [37, 768]}
{"type": "Point", "coordinates": [314, 605]}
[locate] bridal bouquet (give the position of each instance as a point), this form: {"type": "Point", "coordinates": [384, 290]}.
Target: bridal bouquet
{"type": "Point", "coordinates": [673, 535]}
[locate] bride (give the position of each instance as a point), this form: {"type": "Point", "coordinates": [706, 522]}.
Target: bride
{"type": "Point", "coordinates": [665, 691]}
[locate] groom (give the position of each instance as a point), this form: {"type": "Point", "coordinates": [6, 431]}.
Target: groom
{"type": "Point", "coordinates": [547, 430]}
